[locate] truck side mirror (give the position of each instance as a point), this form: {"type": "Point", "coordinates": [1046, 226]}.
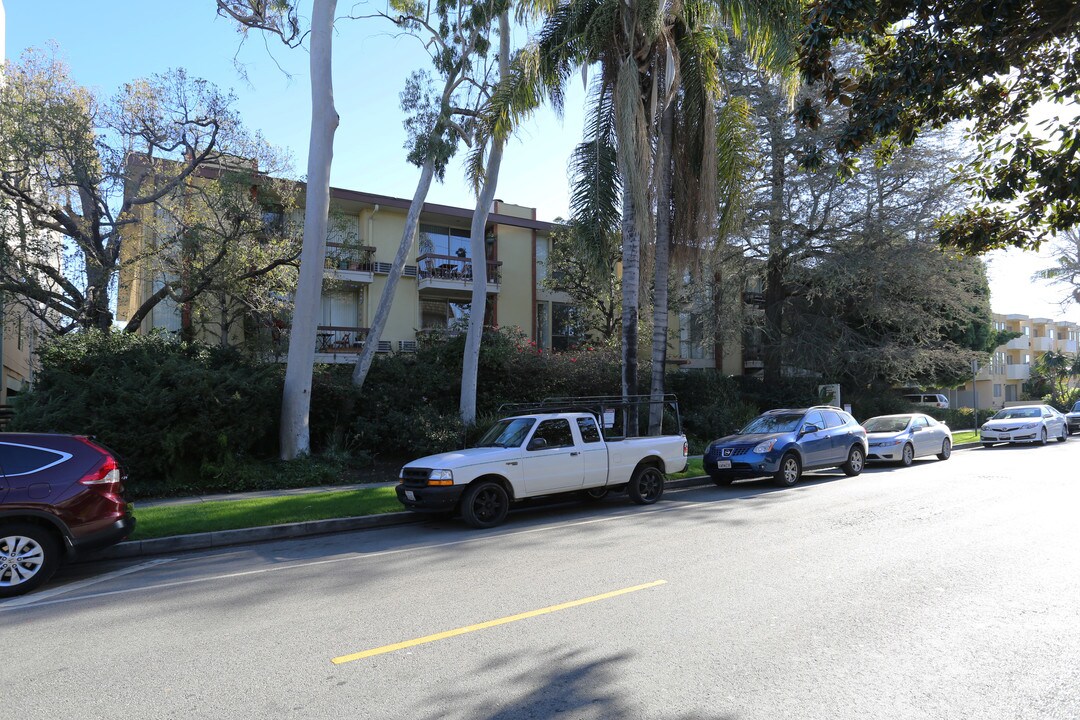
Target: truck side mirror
{"type": "Point", "coordinates": [537, 443]}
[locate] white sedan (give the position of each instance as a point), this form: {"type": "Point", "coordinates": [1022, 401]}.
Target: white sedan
{"type": "Point", "coordinates": [902, 438]}
{"type": "Point", "coordinates": [1025, 424]}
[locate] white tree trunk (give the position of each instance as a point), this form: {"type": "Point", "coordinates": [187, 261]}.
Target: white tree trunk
{"type": "Point", "coordinates": [471, 360]}
{"type": "Point", "coordinates": [296, 398]}
{"type": "Point", "coordinates": [382, 313]}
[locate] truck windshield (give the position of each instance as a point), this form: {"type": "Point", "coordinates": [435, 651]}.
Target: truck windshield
{"type": "Point", "coordinates": [510, 432]}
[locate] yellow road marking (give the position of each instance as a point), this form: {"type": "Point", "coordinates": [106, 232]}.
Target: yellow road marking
{"type": "Point", "coordinates": [490, 623]}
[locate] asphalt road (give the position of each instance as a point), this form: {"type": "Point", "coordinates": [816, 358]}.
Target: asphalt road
{"type": "Point", "coordinates": [946, 590]}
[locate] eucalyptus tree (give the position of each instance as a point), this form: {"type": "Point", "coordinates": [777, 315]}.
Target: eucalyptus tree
{"type": "Point", "coordinates": [279, 17]}
{"type": "Point", "coordinates": [456, 34]}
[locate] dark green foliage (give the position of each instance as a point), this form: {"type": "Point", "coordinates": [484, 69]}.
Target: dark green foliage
{"type": "Point", "coordinates": [410, 403]}
{"type": "Point", "coordinates": [171, 410]}
{"type": "Point", "coordinates": [714, 405]}
{"type": "Point", "coordinates": [931, 62]}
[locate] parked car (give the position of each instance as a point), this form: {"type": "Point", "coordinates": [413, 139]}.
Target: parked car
{"type": "Point", "coordinates": [60, 495]}
{"type": "Point", "coordinates": [902, 438]}
{"type": "Point", "coordinates": [1073, 418]}
{"type": "Point", "coordinates": [1024, 424]}
{"type": "Point", "coordinates": [539, 454]}
{"type": "Point", "coordinates": [928, 400]}
{"type": "Point", "coordinates": [785, 443]}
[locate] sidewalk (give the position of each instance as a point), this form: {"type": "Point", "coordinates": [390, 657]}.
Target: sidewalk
{"type": "Point", "coordinates": [224, 538]}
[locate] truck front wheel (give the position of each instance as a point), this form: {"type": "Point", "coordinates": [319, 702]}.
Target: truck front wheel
{"type": "Point", "coordinates": [647, 485]}
{"type": "Point", "coordinates": [485, 504]}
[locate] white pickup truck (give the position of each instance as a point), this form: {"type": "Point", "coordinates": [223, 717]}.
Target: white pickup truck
{"type": "Point", "coordinates": [542, 453]}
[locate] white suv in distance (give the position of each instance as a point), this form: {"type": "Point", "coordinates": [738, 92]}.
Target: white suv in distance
{"type": "Point", "coordinates": [935, 400]}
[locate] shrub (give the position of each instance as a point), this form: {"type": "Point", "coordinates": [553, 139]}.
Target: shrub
{"type": "Point", "coordinates": [171, 410]}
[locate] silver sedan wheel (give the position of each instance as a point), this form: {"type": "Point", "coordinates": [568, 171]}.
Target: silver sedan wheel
{"type": "Point", "coordinates": [21, 558]}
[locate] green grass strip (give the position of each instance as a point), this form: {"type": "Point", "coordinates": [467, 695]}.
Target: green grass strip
{"type": "Point", "coordinates": [165, 520]}
{"type": "Point", "coordinates": [965, 436]}
{"type": "Point", "coordinates": [694, 469]}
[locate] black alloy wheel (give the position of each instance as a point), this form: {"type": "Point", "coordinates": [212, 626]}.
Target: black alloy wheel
{"type": "Point", "coordinates": [485, 504]}
{"type": "Point", "coordinates": [646, 486]}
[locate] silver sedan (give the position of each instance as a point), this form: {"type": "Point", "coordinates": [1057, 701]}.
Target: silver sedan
{"type": "Point", "coordinates": [1025, 424]}
{"type": "Point", "coordinates": [902, 438]}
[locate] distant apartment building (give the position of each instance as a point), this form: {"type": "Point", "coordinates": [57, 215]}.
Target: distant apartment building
{"type": "Point", "coordinates": [1002, 379]}
{"type": "Point", "coordinates": [434, 293]}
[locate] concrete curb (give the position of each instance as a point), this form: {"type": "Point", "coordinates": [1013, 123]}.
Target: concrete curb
{"type": "Point", "coordinates": [225, 538]}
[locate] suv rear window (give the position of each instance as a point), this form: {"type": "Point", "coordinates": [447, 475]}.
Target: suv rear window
{"type": "Point", "coordinates": [16, 459]}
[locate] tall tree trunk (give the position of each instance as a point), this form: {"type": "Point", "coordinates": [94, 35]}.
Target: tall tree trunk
{"type": "Point", "coordinates": [382, 313]}
{"type": "Point", "coordinates": [775, 265]}
{"type": "Point", "coordinates": [296, 398]}
{"type": "Point", "coordinates": [660, 276]}
{"type": "Point", "coordinates": [96, 314]}
{"type": "Point", "coordinates": [471, 360]}
{"type": "Point", "coordinates": [631, 254]}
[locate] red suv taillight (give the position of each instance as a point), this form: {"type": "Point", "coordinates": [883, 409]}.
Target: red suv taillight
{"type": "Point", "coordinates": [685, 448]}
{"type": "Point", "coordinates": [105, 478]}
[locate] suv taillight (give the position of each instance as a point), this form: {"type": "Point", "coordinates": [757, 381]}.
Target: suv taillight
{"type": "Point", "coordinates": [685, 448]}
{"type": "Point", "coordinates": [107, 474]}
{"type": "Point", "coordinates": [106, 477]}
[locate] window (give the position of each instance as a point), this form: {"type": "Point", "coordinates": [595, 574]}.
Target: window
{"type": "Point", "coordinates": [997, 390]}
{"type": "Point", "coordinates": [541, 259]}
{"type": "Point", "coordinates": [919, 422]}
{"type": "Point", "coordinates": [814, 418]}
{"type": "Point", "coordinates": [589, 432]}
{"type": "Point", "coordinates": [444, 240]}
{"type": "Point", "coordinates": [1027, 330]}
{"type": "Point", "coordinates": [832, 419]}
{"type": "Point", "coordinates": [542, 328]}
{"type": "Point", "coordinates": [556, 433]}
{"type": "Point", "coordinates": [691, 336]}
{"type": "Point", "coordinates": [342, 308]}
{"type": "Point", "coordinates": [1027, 358]}
{"type": "Point", "coordinates": [445, 314]}
{"type": "Point", "coordinates": [566, 328]}
{"type": "Point", "coordinates": [18, 459]}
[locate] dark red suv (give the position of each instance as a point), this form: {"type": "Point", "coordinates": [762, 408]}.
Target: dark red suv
{"type": "Point", "coordinates": [60, 495]}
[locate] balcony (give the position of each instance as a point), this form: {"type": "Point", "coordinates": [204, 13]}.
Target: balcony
{"type": "Point", "coordinates": [1020, 343]}
{"type": "Point", "coordinates": [1042, 344]}
{"type": "Point", "coordinates": [756, 299]}
{"type": "Point", "coordinates": [450, 272]}
{"type": "Point", "coordinates": [339, 343]}
{"type": "Point", "coordinates": [1067, 346]}
{"type": "Point", "coordinates": [753, 357]}
{"type": "Point", "coordinates": [349, 263]}
{"type": "Point", "coordinates": [1018, 371]}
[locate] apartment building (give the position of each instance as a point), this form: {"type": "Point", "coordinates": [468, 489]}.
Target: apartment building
{"type": "Point", "coordinates": [1002, 379]}
{"type": "Point", "coordinates": [434, 292]}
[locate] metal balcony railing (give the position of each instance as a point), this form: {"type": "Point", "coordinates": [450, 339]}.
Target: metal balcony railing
{"type": "Point", "coordinates": [359, 258]}
{"type": "Point", "coordinates": [452, 267]}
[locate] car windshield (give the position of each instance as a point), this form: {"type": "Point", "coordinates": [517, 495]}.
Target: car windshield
{"type": "Point", "coordinates": [1076, 407]}
{"type": "Point", "coordinates": [887, 424]}
{"type": "Point", "coordinates": [510, 432]}
{"type": "Point", "coordinates": [788, 422]}
{"type": "Point", "coordinates": [1014, 413]}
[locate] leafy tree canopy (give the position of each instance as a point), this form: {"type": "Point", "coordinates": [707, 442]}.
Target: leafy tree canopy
{"type": "Point", "coordinates": [931, 62]}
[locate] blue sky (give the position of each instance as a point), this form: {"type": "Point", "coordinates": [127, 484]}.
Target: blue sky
{"type": "Point", "coordinates": [109, 42]}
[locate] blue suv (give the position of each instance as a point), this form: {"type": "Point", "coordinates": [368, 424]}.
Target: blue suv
{"type": "Point", "coordinates": [784, 443]}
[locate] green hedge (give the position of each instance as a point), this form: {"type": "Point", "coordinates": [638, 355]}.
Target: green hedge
{"type": "Point", "coordinates": [170, 409]}
{"type": "Point", "coordinates": [189, 418]}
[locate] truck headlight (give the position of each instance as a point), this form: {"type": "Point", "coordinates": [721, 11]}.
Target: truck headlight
{"type": "Point", "coordinates": [441, 477]}
{"type": "Point", "coordinates": [764, 447]}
